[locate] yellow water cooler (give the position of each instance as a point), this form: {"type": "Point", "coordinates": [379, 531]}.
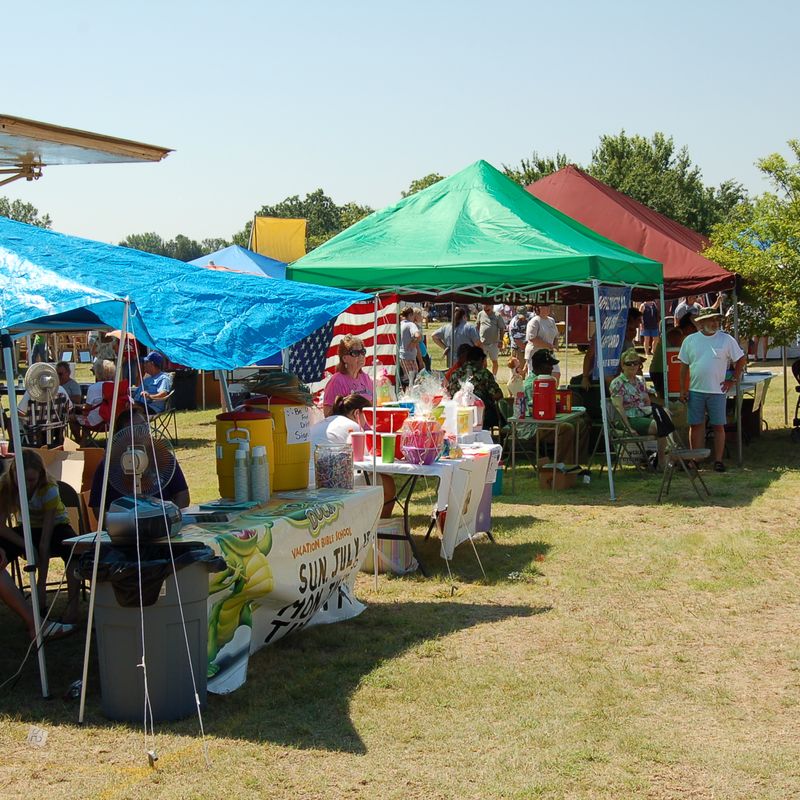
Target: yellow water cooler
{"type": "Point", "coordinates": [253, 426]}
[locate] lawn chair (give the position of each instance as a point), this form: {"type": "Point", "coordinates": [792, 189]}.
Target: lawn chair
{"type": "Point", "coordinates": [45, 423]}
{"type": "Point", "coordinates": [624, 445]}
{"type": "Point", "coordinates": [679, 455]}
{"type": "Point", "coordinates": [72, 502]}
{"type": "Point", "coordinates": [164, 423]}
{"type": "Point", "coordinates": [525, 439]}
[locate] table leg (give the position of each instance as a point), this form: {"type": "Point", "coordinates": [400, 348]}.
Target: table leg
{"type": "Point", "coordinates": [555, 455]}
{"type": "Point", "coordinates": [513, 455]}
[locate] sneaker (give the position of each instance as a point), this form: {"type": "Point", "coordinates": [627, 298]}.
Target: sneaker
{"type": "Point", "coordinates": [55, 630]}
{"type": "Point", "coordinates": [719, 466]}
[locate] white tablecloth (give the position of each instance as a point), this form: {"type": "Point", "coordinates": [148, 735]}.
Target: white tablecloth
{"type": "Point", "coordinates": [461, 484]}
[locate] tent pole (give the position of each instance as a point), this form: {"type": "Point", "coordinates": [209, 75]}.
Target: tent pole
{"type": "Point", "coordinates": [602, 375]}
{"type": "Point", "coordinates": [31, 555]}
{"type": "Point", "coordinates": [203, 388]}
{"type": "Point", "coordinates": [226, 394]}
{"type": "Point", "coordinates": [663, 327]}
{"type": "Point", "coordinates": [375, 419]}
{"type": "Point", "coordinates": [565, 382]}
{"type": "Point", "coordinates": [785, 387]}
{"type": "Point", "coordinates": [450, 353]}
{"type": "Point", "coordinates": [739, 458]}
{"type": "Point", "coordinates": [102, 510]}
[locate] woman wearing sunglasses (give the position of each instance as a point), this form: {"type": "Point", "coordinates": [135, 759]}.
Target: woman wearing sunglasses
{"type": "Point", "coordinates": [630, 398]}
{"type": "Point", "coordinates": [349, 377]}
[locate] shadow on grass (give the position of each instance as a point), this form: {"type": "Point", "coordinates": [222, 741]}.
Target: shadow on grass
{"type": "Point", "coordinates": [765, 460]}
{"type": "Point", "coordinates": [298, 690]}
{"type": "Point", "coordinates": [193, 443]}
{"type": "Point", "coordinates": [498, 558]}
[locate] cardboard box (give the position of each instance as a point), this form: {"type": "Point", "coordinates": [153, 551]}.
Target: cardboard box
{"type": "Point", "coordinates": [64, 466]}
{"type": "Point", "coordinates": [566, 475]}
{"type": "Point", "coordinates": [92, 456]}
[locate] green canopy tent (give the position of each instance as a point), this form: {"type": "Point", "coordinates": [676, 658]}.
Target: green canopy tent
{"type": "Point", "coordinates": [476, 234]}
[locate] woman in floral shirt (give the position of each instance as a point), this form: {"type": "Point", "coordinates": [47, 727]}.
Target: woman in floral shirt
{"type": "Point", "coordinates": [630, 398]}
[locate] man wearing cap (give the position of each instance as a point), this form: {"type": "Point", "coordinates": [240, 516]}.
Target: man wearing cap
{"type": "Point", "coordinates": [542, 362]}
{"type": "Point", "coordinates": [516, 333]}
{"type": "Point", "coordinates": [705, 357]}
{"type": "Point", "coordinates": [156, 384]}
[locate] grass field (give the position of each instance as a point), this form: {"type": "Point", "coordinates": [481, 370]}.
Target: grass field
{"type": "Point", "coordinates": [616, 650]}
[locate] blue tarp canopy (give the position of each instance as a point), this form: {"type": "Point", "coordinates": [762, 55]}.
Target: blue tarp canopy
{"type": "Point", "coordinates": [198, 317]}
{"type": "Point", "coordinates": [240, 259]}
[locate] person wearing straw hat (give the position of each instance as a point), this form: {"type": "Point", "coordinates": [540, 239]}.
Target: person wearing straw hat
{"type": "Point", "coordinates": [705, 357]}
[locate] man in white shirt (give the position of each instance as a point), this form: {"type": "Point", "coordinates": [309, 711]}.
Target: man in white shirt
{"type": "Point", "coordinates": [491, 329]}
{"type": "Point", "coordinates": [541, 334]}
{"type": "Point", "coordinates": [705, 357]}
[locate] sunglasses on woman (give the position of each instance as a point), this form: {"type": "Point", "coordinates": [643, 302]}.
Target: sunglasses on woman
{"type": "Point", "coordinates": [357, 353]}
{"type": "Point", "coordinates": [632, 363]}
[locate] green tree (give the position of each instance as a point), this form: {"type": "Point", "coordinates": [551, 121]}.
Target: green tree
{"type": "Point", "coordinates": [324, 218]}
{"type": "Point", "coordinates": [181, 247]}
{"type": "Point", "coordinates": [536, 167]}
{"type": "Point", "coordinates": [23, 212]}
{"type": "Point", "coordinates": [422, 183]}
{"type": "Point", "coordinates": [662, 177]}
{"type": "Point", "coordinates": [148, 242]}
{"type": "Point", "coordinates": [213, 244]}
{"type": "Point", "coordinates": [761, 241]}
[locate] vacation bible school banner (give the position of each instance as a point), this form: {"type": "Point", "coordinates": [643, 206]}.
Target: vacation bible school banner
{"type": "Point", "coordinates": [289, 564]}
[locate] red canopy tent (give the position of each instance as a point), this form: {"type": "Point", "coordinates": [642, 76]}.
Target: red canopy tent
{"type": "Point", "coordinates": [637, 227]}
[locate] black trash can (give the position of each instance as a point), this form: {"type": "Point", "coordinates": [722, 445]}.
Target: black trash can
{"type": "Point", "coordinates": [184, 384]}
{"type": "Point", "coordinates": [118, 625]}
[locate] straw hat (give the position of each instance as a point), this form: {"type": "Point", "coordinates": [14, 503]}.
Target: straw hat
{"type": "Point", "coordinates": [707, 313]}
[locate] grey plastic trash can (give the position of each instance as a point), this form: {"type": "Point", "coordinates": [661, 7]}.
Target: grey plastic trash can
{"type": "Point", "coordinates": [119, 645]}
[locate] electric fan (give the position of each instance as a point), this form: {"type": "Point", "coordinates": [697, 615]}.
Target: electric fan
{"type": "Point", "coordinates": [41, 382]}
{"type": "Point", "coordinates": [138, 466]}
{"type": "Point", "coordinates": [48, 415]}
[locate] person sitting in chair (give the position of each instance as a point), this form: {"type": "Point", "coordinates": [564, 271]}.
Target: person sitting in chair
{"type": "Point", "coordinates": [484, 383]}
{"type": "Point", "coordinates": [542, 362]}
{"type": "Point", "coordinates": [176, 489]}
{"type": "Point", "coordinates": [155, 386]}
{"type": "Point", "coordinates": [629, 395]}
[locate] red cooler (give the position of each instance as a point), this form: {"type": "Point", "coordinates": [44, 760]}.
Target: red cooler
{"type": "Point", "coordinates": [544, 397]}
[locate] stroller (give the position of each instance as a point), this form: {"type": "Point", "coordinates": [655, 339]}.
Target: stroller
{"type": "Point", "coordinates": [796, 420]}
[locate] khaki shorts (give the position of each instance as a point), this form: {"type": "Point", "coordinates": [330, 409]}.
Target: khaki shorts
{"type": "Point", "coordinates": [492, 351]}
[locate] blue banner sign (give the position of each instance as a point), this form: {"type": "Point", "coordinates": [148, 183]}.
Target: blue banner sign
{"type": "Point", "coordinates": [611, 317]}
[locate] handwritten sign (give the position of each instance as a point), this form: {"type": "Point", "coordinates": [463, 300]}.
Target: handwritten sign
{"type": "Point", "coordinates": [612, 317]}
{"type": "Point", "coordinates": [37, 737]}
{"type": "Point", "coordinates": [298, 426]}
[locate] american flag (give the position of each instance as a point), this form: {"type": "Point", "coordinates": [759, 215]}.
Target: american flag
{"type": "Point", "coordinates": [315, 358]}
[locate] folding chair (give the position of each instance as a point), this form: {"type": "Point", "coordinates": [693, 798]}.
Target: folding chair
{"type": "Point", "coordinates": [164, 423]}
{"type": "Point", "coordinates": [525, 441]}
{"type": "Point", "coordinates": [72, 502]}
{"type": "Point", "coordinates": [46, 423]}
{"type": "Point", "coordinates": [686, 458]}
{"type": "Point", "coordinates": [631, 446]}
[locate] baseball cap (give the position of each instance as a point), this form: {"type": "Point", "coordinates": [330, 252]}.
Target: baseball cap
{"type": "Point", "coordinates": [543, 356]}
{"type": "Point", "coordinates": [154, 358]}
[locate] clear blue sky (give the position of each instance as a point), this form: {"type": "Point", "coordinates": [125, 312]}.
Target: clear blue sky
{"type": "Point", "coordinates": [262, 100]}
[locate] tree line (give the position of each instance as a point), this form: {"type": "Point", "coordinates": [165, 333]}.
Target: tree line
{"type": "Point", "coordinates": [759, 238]}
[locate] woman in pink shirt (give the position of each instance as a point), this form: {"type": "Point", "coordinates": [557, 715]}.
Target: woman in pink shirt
{"type": "Point", "coordinates": [349, 377]}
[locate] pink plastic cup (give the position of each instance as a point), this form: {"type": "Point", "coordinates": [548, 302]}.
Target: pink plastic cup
{"type": "Point", "coordinates": [359, 440]}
